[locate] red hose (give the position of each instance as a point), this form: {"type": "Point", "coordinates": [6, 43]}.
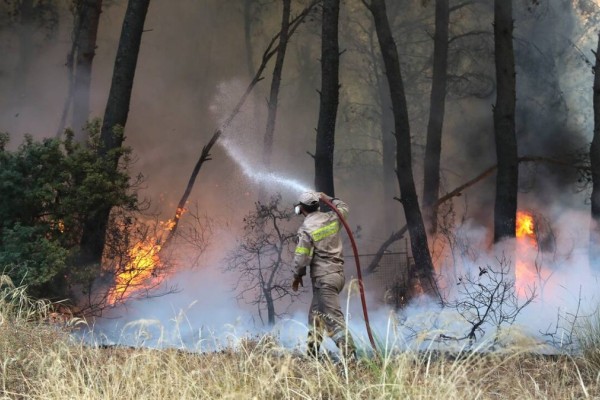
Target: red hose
{"type": "Point", "coordinates": [358, 271]}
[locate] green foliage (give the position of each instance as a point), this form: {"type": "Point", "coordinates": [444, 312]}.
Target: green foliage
{"type": "Point", "coordinates": [31, 257]}
{"type": "Point", "coordinates": [49, 188]}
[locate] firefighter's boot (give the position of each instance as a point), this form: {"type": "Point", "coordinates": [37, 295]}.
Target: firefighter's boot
{"type": "Point", "coordinates": [312, 349]}
{"type": "Point", "coordinates": [313, 343]}
{"type": "Point", "coordinates": [347, 349]}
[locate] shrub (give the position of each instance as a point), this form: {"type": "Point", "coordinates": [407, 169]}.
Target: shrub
{"type": "Point", "coordinates": [49, 189]}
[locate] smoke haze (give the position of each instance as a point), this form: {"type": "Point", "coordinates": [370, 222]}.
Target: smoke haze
{"type": "Point", "coordinates": [192, 70]}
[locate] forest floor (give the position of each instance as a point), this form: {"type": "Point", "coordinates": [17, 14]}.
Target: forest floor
{"type": "Point", "coordinates": [39, 360]}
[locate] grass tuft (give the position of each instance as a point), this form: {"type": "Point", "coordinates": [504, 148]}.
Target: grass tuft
{"type": "Point", "coordinates": [587, 332]}
{"type": "Point", "coordinates": [41, 361]}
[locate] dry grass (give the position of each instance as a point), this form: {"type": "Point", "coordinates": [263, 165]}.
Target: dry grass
{"type": "Point", "coordinates": [39, 361]}
{"type": "Point", "coordinates": [587, 331]}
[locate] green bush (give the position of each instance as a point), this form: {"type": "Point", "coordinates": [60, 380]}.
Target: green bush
{"type": "Point", "coordinates": [49, 188]}
{"type": "Point", "coordinates": [35, 259]}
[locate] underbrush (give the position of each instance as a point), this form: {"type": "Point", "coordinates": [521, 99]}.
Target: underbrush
{"type": "Point", "coordinates": [40, 360]}
{"type": "Point", "coordinates": [587, 331]}
{"type": "Point", "coordinates": [24, 336]}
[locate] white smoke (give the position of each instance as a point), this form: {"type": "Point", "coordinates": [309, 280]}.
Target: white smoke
{"type": "Point", "coordinates": [204, 314]}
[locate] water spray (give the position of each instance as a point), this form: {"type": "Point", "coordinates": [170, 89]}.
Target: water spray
{"type": "Point", "coordinates": [249, 170]}
{"type": "Point", "coordinates": [259, 175]}
{"type": "Point", "coordinates": [361, 288]}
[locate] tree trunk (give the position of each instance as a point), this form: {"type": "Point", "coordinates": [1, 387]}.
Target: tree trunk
{"type": "Point", "coordinates": [412, 212]}
{"type": "Point", "coordinates": [505, 210]}
{"type": "Point", "coordinates": [270, 307]}
{"type": "Point", "coordinates": [388, 149]}
{"type": "Point", "coordinates": [248, 16]}
{"type": "Point", "coordinates": [594, 253]}
{"type": "Point", "coordinates": [24, 31]}
{"type": "Point", "coordinates": [115, 116]}
{"type": "Point", "coordinates": [117, 106]}
{"type": "Point", "coordinates": [86, 32]}
{"type": "Point", "coordinates": [329, 96]}
{"type": "Point", "coordinates": [274, 93]}
{"type": "Point", "coordinates": [251, 14]}
{"type": "Point", "coordinates": [433, 148]}
{"type": "Point", "coordinates": [386, 121]}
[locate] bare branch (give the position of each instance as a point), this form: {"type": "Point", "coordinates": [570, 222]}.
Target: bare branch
{"type": "Point", "coordinates": [464, 4]}
{"type": "Point", "coordinates": [468, 34]}
{"type": "Point", "coordinates": [457, 192]}
{"type": "Point", "coordinates": [262, 259]}
{"type": "Point", "coordinates": [269, 52]}
{"type": "Point", "coordinates": [490, 298]}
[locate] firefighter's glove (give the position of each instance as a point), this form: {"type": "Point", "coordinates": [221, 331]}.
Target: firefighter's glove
{"type": "Point", "coordinates": [296, 283]}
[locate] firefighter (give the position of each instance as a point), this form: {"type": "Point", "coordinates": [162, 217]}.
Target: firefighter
{"type": "Point", "coordinates": [320, 247]}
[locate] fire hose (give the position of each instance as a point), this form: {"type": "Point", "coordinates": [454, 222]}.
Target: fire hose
{"type": "Point", "coordinates": [361, 288]}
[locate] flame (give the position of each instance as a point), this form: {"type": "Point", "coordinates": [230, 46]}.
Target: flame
{"type": "Point", "coordinates": [141, 270]}
{"type": "Point", "coordinates": [525, 225]}
{"type": "Point", "coordinates": [170, 224]}
{"type": "Point", "coordinates": [527, 272]}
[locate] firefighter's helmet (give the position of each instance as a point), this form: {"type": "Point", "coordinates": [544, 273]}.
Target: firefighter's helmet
{"type": "Point", "coordinates": [308, 198]}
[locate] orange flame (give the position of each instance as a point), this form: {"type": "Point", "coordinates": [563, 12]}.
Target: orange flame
{"type": "Point", "coordinates": [170, 224]}
{"type": "Point", "coordinates": [526, 272]}
{"type": "Point", "coordinates": [140, 272]}
{"type": "Point", "coordinates": [525, 225]}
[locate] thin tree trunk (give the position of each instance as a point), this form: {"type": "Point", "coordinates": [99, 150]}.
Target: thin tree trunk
{"type": "Point", "coordinates": [412, 212]}
{"type": "Point", "coordinates": [205, 154]}
{"type": "Point", "coordinates": [594, 253]}
{"type": "Point", "coordinates": [119, 97]}
{"type": "Point", "coordinates": [386, 126]}
{"type": "Point", "coordinates": [270, 307]}
{"type": "Point", "coordinates": [251, 14]}
{"type": "Point", "coordinates": [115, 118]}
{"type": "Point", "coordinates": [24, 31]}
{"type": "Point", "coordinates": [329, 96]}
{"type": "Point", "coordinates": [274, 93]}
{"type": "Point", "coordinates": [388, 149]}
{"type": "Point", "coordinates": [505, 209]}
{"type": "Point", "coordinates": [87, 31]}
{"type": "Point", "coordinates": [248, 36]}
{"type": "Point", "coordinates": [70, 64]}
{"type": "Point", "coordinates": [269, 286]}
{"type": "Point", "coordinates": [433, 148]}
{"type": "Point", "coordinates": [79, 66]}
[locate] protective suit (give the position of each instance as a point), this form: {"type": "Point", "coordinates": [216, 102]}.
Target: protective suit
{"type": "Point", "coordinates": [320, 248]}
